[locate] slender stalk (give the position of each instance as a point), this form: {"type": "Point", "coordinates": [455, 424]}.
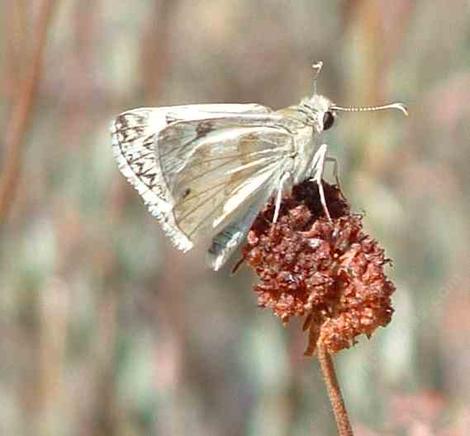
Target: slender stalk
{"type": "Point", "coordinates": [334, 392]}
{"type": "Point", "coordinates": [22, 110]}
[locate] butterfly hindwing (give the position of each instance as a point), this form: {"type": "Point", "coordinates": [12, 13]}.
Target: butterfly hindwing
{"type": "Point", "coordinates": [225, 242]}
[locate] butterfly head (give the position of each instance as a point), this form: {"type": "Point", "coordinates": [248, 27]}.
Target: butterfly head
{"type": "Point", "coordinates": [320, 112]}
{"type": "Point", "coordinates": [320, 107]}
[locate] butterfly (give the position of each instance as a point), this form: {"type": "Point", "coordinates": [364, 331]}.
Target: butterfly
{"type": "Point", "coordinates": [206, 170]}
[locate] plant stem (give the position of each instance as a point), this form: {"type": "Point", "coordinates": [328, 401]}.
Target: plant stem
{"type": "Point", "coordinates": [15, 130]}
{"type": "Point", "coordinates": [334, 392]}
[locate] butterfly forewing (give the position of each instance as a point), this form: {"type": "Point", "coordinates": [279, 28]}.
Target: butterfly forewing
{"type": "Point", "coordinates": [199, 167]}
{"type": "Point", "coordinates": [216, 168]}
{"type": "Point", "coordinates": [134, 136]}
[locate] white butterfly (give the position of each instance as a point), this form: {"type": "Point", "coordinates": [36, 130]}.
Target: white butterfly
{"type": "Point", "coordinates": [206, 170]}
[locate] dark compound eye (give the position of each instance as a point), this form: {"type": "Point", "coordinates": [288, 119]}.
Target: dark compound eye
{"type": "Point", "coordinates": [328, 120]}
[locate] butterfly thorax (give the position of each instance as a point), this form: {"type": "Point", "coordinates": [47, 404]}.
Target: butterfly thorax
{"type": "Point", "coordinates": [314, 108]}
{"type": "Point", "coordinates": [305, 120]}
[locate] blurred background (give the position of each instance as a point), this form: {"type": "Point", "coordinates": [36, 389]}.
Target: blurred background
{"type": "Point", "coordinates": [105, 329]}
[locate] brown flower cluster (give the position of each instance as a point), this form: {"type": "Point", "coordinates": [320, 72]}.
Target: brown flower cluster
{"type": "Point", "coordinates": [331, 272]}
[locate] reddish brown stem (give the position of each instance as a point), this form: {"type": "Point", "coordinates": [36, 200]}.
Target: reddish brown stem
{"type": "Point", "coordinates": [334, 392]}
{"type": "Point", "coordinates": [21, 112]}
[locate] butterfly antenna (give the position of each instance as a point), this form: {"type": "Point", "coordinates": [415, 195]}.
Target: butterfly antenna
{"type": "Point", "coordinates": [317, 66]}
{"type": "Point", "coordinates": [400, 106]}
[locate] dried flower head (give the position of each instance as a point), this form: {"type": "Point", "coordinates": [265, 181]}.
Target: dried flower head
{"type": "Point", "coordinates": [330, 272]}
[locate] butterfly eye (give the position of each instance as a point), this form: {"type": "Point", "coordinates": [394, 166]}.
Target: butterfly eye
{"type": "Point", "coordinates": [328, 120]}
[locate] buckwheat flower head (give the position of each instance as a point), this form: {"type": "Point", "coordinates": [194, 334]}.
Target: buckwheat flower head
{"type": "Point", "coordinates": [329, 272]}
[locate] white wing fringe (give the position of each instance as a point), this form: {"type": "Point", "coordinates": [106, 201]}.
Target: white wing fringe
{"type": "Point", "coordinates": [159, 205]}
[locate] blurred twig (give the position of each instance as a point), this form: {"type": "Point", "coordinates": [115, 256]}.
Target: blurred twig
{"type": "Point", "coordinates": [21, 112]}
{"type": "Point", "coordinates": [15, 29]}
{"type": "Point", "coordinates": [155, 53]}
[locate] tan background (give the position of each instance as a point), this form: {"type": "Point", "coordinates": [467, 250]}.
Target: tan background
{"type": "Point", "coordinates": [107, 330]}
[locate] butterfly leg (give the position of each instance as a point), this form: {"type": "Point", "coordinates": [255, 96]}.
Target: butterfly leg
{"type": "Point", "coordinates": [280, 189]}
{"type": "Point", "coordinates": [318, 164]}
{"type": "Point", "coordinates": [335, 170]}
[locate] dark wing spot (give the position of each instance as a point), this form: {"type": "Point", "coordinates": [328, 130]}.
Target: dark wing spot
{"type": "Point", "coordinates": [203, 128]}
{"type": "Point", "coordinates": [170, 119]}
